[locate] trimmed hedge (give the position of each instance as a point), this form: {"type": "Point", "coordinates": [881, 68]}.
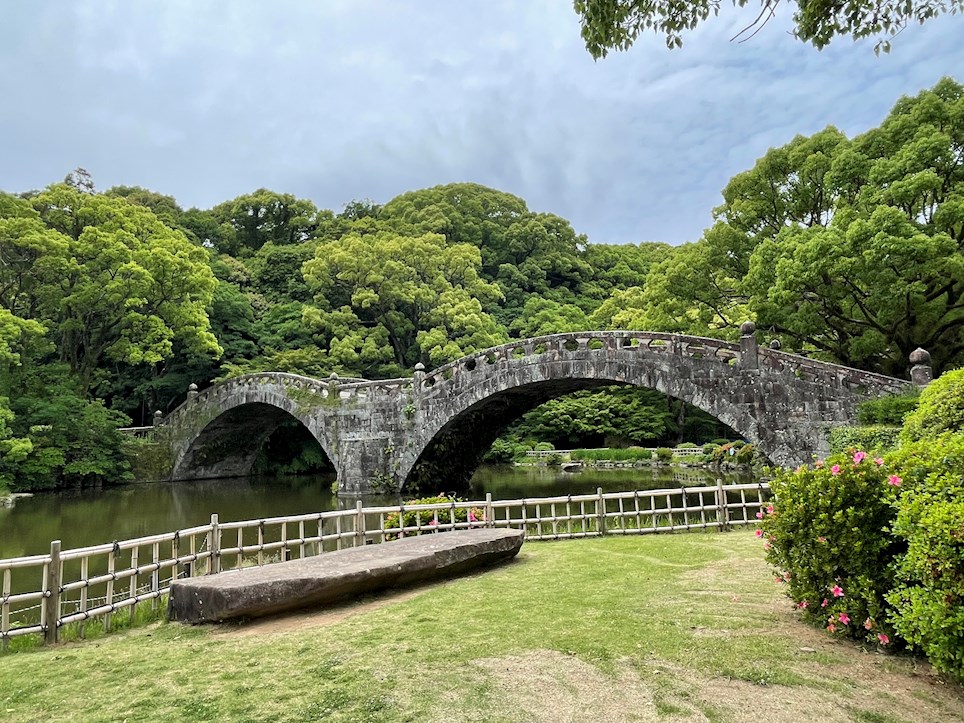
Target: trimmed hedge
{"type": "Point", "coordinates": [888, 411]}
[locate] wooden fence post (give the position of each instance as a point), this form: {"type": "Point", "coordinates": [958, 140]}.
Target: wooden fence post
{"type": "Point", "coordinates": [359, 524]}
{"type": "Point", "coordinates": [601, 510]}
{"type": "Point", "coordinates": [52, 599]}
{"type": "Point", "coordinates": [214, 546]}
{"type": "Point", "coordinates": [724, 512]}
{"type": "Point", "coordinates": [489, 511]}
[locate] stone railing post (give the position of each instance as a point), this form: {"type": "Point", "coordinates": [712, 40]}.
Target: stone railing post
{"type": "Point", "coordinates": [921, 373]}
{"type": "Point", "coordinates": [192, 391]}
{"type": "Point", "coordinates": [749, 353]}
{"type": "Point", "coordinates": [333, 386]}
{"type": "Point", "coordinates": [158, 418]}
{"type": "Point", "coordinates": [418, 381]}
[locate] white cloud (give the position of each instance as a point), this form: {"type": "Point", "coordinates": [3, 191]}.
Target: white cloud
{"type": "Point", "coordinates": [334, 101]}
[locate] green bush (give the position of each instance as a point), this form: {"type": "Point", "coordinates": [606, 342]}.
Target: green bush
{"type": "Point", "coordinates": [708, 449]}
{"type": "Point", "coordinates": [687, 445]}
{"type": "Point", "coordinates": [664, 454]}
{"type": "Point", "coordinates": [630, 454]}
{"type": "Point", "coordinates": [554, 460]}
{"type": "Point", "coordinates": [825, 534]}
{"type": "Point", "coordinates": [877, 439]}
{"type": "Point", "coordinates": [719, 442]}
{"type": "Point", "coordinates": [941, 408]}
{"type": "Point", "coordinates": [427, 518]}
{"type": "Point", "coordinates": [887, 411]}
{"type": "Point", "coordinates": [501, 452]}
{"type": "Point", "coordinates": [744, 455]}
{"type": "Point", "coordinates": [544, 447]}
{"type": "Point", "coordinates": [928, 600]}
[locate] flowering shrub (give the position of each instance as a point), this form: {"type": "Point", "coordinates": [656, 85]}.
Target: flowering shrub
{"type": "Point", "coordinates": [827, 534]}
{"type": "Point", "coordinates": [429, 520]}
{"type": "Point", "coordinates": [928, 600]}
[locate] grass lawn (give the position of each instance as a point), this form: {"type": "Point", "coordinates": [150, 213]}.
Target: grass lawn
{"type": "Point", "coordinates": [687, 627]}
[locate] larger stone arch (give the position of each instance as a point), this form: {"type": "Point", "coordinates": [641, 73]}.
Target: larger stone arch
{"type": "Point", "coordinates": [219, 432]}
{"type": "Point", "coordinates": [784, 404]}
{"type": "Point", "coordinates": [479, 396]}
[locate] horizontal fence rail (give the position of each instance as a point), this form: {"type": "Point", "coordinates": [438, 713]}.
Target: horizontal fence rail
{"type": "Point", "coordinates": [42, 593]}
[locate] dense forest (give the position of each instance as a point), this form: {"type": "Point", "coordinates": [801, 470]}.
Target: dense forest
{"type": "Point", "coordinates": [112, 302]}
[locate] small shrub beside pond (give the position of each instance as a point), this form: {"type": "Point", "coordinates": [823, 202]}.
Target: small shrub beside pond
{"type": "Point", "coordinates": [428, 519]}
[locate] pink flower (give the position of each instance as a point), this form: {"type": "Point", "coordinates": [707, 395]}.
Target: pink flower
{"type": "Point", "coordinates": [879, 461]}
{"type": "Point", "coordinates": [894, 480]}
{"type": "Point", "coordinates": [767, 545]}
{"type": "Point", "coordinates": [824, 603]}
{"type": "Point", "coordinates": [884, 640]}
{"type": "Point", "coordinates": [759, 533]}
{"type": "Point", "coordinates": [868, 624]}
{"type": "Point", "coordinates": [821, 538]}
{"type": "Point", "coordinates": [859, 457]}
{"type": "Point", "coordinates": [472, 517]}
{"type": "Point", "coordinates": [837, 591]}
{"type": "Point", "coordinates": [832, 628]}
{"type": "Point", "coordinates": [759, 515]}
{"type": "Point", "coordinates": [818, 464]}
{"type": "Point", "coordinates": [786, 577]}
{"type": "Point", "coordinates": [803, 604]}
{"type": "Point", "coordinates": [769, 509]}
{"type": "Point", "coordinates": [835, 469]}
{"type": "Point", "coordinates": [844, 619]}
{"type": "Point", "coordinates": [433, 522]}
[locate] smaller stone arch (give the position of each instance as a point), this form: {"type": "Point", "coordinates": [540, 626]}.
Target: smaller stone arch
{"type": "Point", "coordinates": [220, 432]}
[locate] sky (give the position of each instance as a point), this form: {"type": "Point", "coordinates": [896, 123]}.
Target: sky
{"type": "Point", "coordinates": [337, 100]}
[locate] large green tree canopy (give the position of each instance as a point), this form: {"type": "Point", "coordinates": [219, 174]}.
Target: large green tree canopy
{"type": "Point", "coordinates": [616, 24]}
{"type": "Point", "coordinates": [849, 249]}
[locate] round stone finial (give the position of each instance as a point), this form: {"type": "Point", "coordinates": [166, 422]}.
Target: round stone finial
{"type": "Point", "coordinates": [192, 387]}
{"type": "Point", "coordinates": [333, 376]}
{"type": "Point", "coordinates": [776, 345]}
{"type": "Point", "coordinates": [158, 414]}
{"type": "Point", "coordinates": [420, 367]}
{"type": "Point", "coordinates": [747, 328]}
{"type": "Point", "coordinates": [920, 356]}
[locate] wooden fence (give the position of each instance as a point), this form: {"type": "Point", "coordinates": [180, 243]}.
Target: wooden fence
{"type": "Point", "coordinates": [42, 593]}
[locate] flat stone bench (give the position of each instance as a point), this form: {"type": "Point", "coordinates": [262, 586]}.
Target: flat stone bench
{"type": "Point", "coordinates": [336, 576]}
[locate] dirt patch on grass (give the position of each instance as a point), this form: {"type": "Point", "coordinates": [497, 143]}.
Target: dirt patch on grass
{"type": "Point", "coordinates": [548, 687]}
{"type": "Point", "coordinates": [300, 620]}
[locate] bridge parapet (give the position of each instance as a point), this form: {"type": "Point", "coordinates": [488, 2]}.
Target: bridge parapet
{"type": "Point", "coordinates": [559, 345]}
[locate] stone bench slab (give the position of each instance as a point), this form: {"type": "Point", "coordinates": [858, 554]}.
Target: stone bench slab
{"type": "Point", "coordinates": [336, 576]}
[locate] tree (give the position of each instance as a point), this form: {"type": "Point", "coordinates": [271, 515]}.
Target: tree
{"type": "Point", "coordinates": [385, 302]}
{"type": "Point", "coordinates": [884, 273]}
{"type": "Point", "coordinates": [615, 24]}
{"type": "Point", "coordinates": [108, 279]}
{"type": "Point", "coordinates": [248, 222]}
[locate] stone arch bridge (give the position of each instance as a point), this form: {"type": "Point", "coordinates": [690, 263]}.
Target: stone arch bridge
{"type": "Point", "coordinates": [382, 435]}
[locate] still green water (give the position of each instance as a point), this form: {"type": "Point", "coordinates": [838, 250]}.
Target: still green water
{"type": "Point", "coordinates": [118, 513]}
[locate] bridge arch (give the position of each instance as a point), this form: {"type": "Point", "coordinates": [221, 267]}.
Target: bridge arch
{"type": "Point", "coordinates": [501, 384]}
{"type": "Point", "coordinates": [220, 431]}
{"type": "Point", "coordinates": [782, 403]}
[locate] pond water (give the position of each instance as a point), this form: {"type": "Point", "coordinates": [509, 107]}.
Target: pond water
{"type": "Point", "coordinates": [91, 517]}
